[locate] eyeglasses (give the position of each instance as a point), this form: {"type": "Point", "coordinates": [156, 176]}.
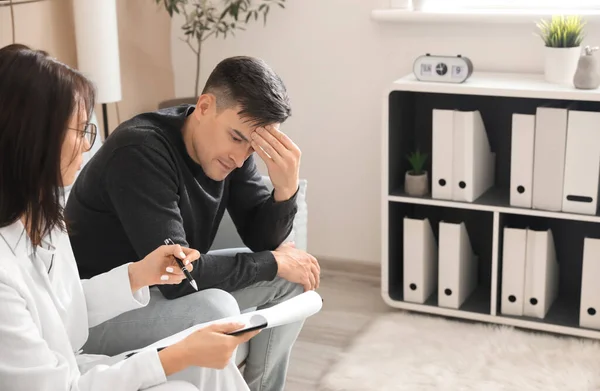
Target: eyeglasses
{"type": "Point", "coordinates": [89, 131]}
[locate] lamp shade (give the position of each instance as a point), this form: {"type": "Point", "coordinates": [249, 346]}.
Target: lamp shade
{"type": "Point", "coordinates": [97, 42]}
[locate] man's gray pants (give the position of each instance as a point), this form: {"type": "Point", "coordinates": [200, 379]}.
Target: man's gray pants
{"type": "Point", "coordinates": [269, 351]}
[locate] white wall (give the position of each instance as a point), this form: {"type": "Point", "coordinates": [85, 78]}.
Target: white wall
{"type": "Point", "coordinates": [335, 62]}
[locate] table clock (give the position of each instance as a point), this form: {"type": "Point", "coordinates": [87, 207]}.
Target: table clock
{"type": "Point", "coordinates": [451, 69]}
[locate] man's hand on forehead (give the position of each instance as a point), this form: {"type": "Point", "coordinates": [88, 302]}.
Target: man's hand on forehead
{"type": "Point", "coordinates": [282, 157]}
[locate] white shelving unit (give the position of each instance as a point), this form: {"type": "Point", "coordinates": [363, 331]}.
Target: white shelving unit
{"type": "Point", "coordinates": [407, 124]}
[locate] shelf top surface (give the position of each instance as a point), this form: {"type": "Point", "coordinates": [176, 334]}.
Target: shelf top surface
{"type": "Point", "coordinates": [520, 85]}
{"type": "Point", "coordinates": [478, 15]}
{"type": "Point", "coordinates": [494, 200]}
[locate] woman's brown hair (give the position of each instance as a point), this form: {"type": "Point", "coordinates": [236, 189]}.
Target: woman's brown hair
{"type": "Point", "coordinates": [38, 96]}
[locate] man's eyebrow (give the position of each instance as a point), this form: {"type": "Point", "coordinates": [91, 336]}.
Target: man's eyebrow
{"type": "Point", "coordinates": [240, 135]}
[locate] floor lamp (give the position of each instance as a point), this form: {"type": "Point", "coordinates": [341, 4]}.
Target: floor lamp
{"type": "Point", "coordinates": [97, 41]}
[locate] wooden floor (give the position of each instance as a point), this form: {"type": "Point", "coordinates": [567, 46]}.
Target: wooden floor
{"type": "Point", "coordinates": [351, 296]}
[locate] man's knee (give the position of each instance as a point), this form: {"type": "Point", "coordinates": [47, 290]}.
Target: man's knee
{"type": "Point", "coordinates": [288, 289]}
{"type": "Point", "coordinates": [216, 304]}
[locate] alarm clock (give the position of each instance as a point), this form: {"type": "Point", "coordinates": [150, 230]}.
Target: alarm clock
{"type": "Point", "coordinates": [451, 69]}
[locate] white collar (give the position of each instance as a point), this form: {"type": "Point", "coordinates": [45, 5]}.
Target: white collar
{"type": "Point", "coordinates": [15, 237]}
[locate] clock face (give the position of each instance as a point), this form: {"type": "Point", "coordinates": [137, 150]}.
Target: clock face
{"type": "Point", "coordinates": [441, 69]}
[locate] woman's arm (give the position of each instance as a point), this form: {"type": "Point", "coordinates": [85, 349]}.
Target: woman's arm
{"type": "Point", "coordinates": [110, 294]}
{"type": "Point", "coordinates": [125, 287]}
{"type": "Point", "coordinates": [28, 363]}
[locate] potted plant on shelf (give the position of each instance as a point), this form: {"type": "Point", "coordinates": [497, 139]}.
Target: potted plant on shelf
{"type": "Point", "coordinates": [416, 180]}
{"type": "Point", "coordinates": [562, 37]}
{"type": "Point", "coordinates": [212, 18]}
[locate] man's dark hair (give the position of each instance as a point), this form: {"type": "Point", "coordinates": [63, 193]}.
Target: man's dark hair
{"type": "Point", "coordinates": [38, 96]}
{"type": "Point", "coordinates": [250, 83]}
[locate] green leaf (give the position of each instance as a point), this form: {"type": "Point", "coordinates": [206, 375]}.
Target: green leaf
{"type": "Point", "coordinates": [225, 12]}
{"type": "Point", "coordinates": [203, 19]}
{"type": "Point", "coordinates": [562, 31]}
{"type": "Point", "coordinates": [171, 6]}
{"type": "Point", "coordinates": [417, 161]}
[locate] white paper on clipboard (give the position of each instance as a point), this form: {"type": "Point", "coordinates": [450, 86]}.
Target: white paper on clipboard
{"type": "Point", "coordinates": [290, 311]}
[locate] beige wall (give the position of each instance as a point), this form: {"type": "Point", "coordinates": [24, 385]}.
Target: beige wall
{"type": "Point", "coordinates": [45, 25]}
{"type": "Point", "coordinates": [144, 43]}
{"type": "Point", "coordinates": [145, 51]}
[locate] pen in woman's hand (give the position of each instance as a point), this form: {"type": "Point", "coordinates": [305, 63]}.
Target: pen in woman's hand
{"type": "Point", "coordinates": [188, 275]}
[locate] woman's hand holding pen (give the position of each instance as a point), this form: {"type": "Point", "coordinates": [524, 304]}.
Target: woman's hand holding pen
{"type": "Point", "coordinates": [159, 267]}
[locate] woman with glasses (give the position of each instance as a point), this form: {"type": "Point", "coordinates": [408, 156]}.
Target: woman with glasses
{"type": "Point", "coordinates": [89, 132]}
{"type": "Point", "coordinates": [45, 309]}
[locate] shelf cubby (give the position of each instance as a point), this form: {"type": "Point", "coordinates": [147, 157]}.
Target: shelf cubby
{"type": "Point", "coordinates": [568, 243]}
{"type": "Point", "coordinates": [479, 227]}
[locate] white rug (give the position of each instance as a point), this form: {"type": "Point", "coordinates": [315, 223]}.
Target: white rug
{"type": "Point", "coordinates": [407, 351]}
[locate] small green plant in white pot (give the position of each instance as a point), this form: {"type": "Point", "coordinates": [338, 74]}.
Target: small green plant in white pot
{"type": "Point", "coordinates": [416, 180]}
{"type": "Point", "coordinates": [562, 37]}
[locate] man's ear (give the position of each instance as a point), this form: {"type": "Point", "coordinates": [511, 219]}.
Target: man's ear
{"type": "Point", "coordinates": [206, 104]}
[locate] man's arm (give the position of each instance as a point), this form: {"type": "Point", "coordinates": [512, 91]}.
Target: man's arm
{"type": "Point", "coordinates": [265, 220]}
{"type": "Point", "coordinates": [142, 185]}
{"type": "Point", "coordinates": [262, 222]}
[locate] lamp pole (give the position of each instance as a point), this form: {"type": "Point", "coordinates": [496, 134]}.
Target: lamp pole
{"type": "Point", "coordinates": [105, 120]}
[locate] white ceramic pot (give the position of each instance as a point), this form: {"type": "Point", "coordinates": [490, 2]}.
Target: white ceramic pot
{"type": "Point", "coordinates": [416, 185]}
{"type": "Point", "coordinates": [560, 64]}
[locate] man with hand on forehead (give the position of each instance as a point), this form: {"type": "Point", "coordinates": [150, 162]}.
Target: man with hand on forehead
{"type": "Point", "coordinates": [172, 173]}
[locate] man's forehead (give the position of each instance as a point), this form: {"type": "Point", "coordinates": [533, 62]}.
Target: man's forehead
{"type": "Point", "coordinates": [244, 123]}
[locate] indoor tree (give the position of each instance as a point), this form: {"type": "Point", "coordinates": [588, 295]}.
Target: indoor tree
{"type": "Point", "coordinates": [207, 18]}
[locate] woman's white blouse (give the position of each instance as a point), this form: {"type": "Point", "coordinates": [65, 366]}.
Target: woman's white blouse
{"type": "Point", "coordinates": [45, 314]}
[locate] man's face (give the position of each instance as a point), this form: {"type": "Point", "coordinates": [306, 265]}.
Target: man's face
{"type": "Point", "coordinates": [221, 142]}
